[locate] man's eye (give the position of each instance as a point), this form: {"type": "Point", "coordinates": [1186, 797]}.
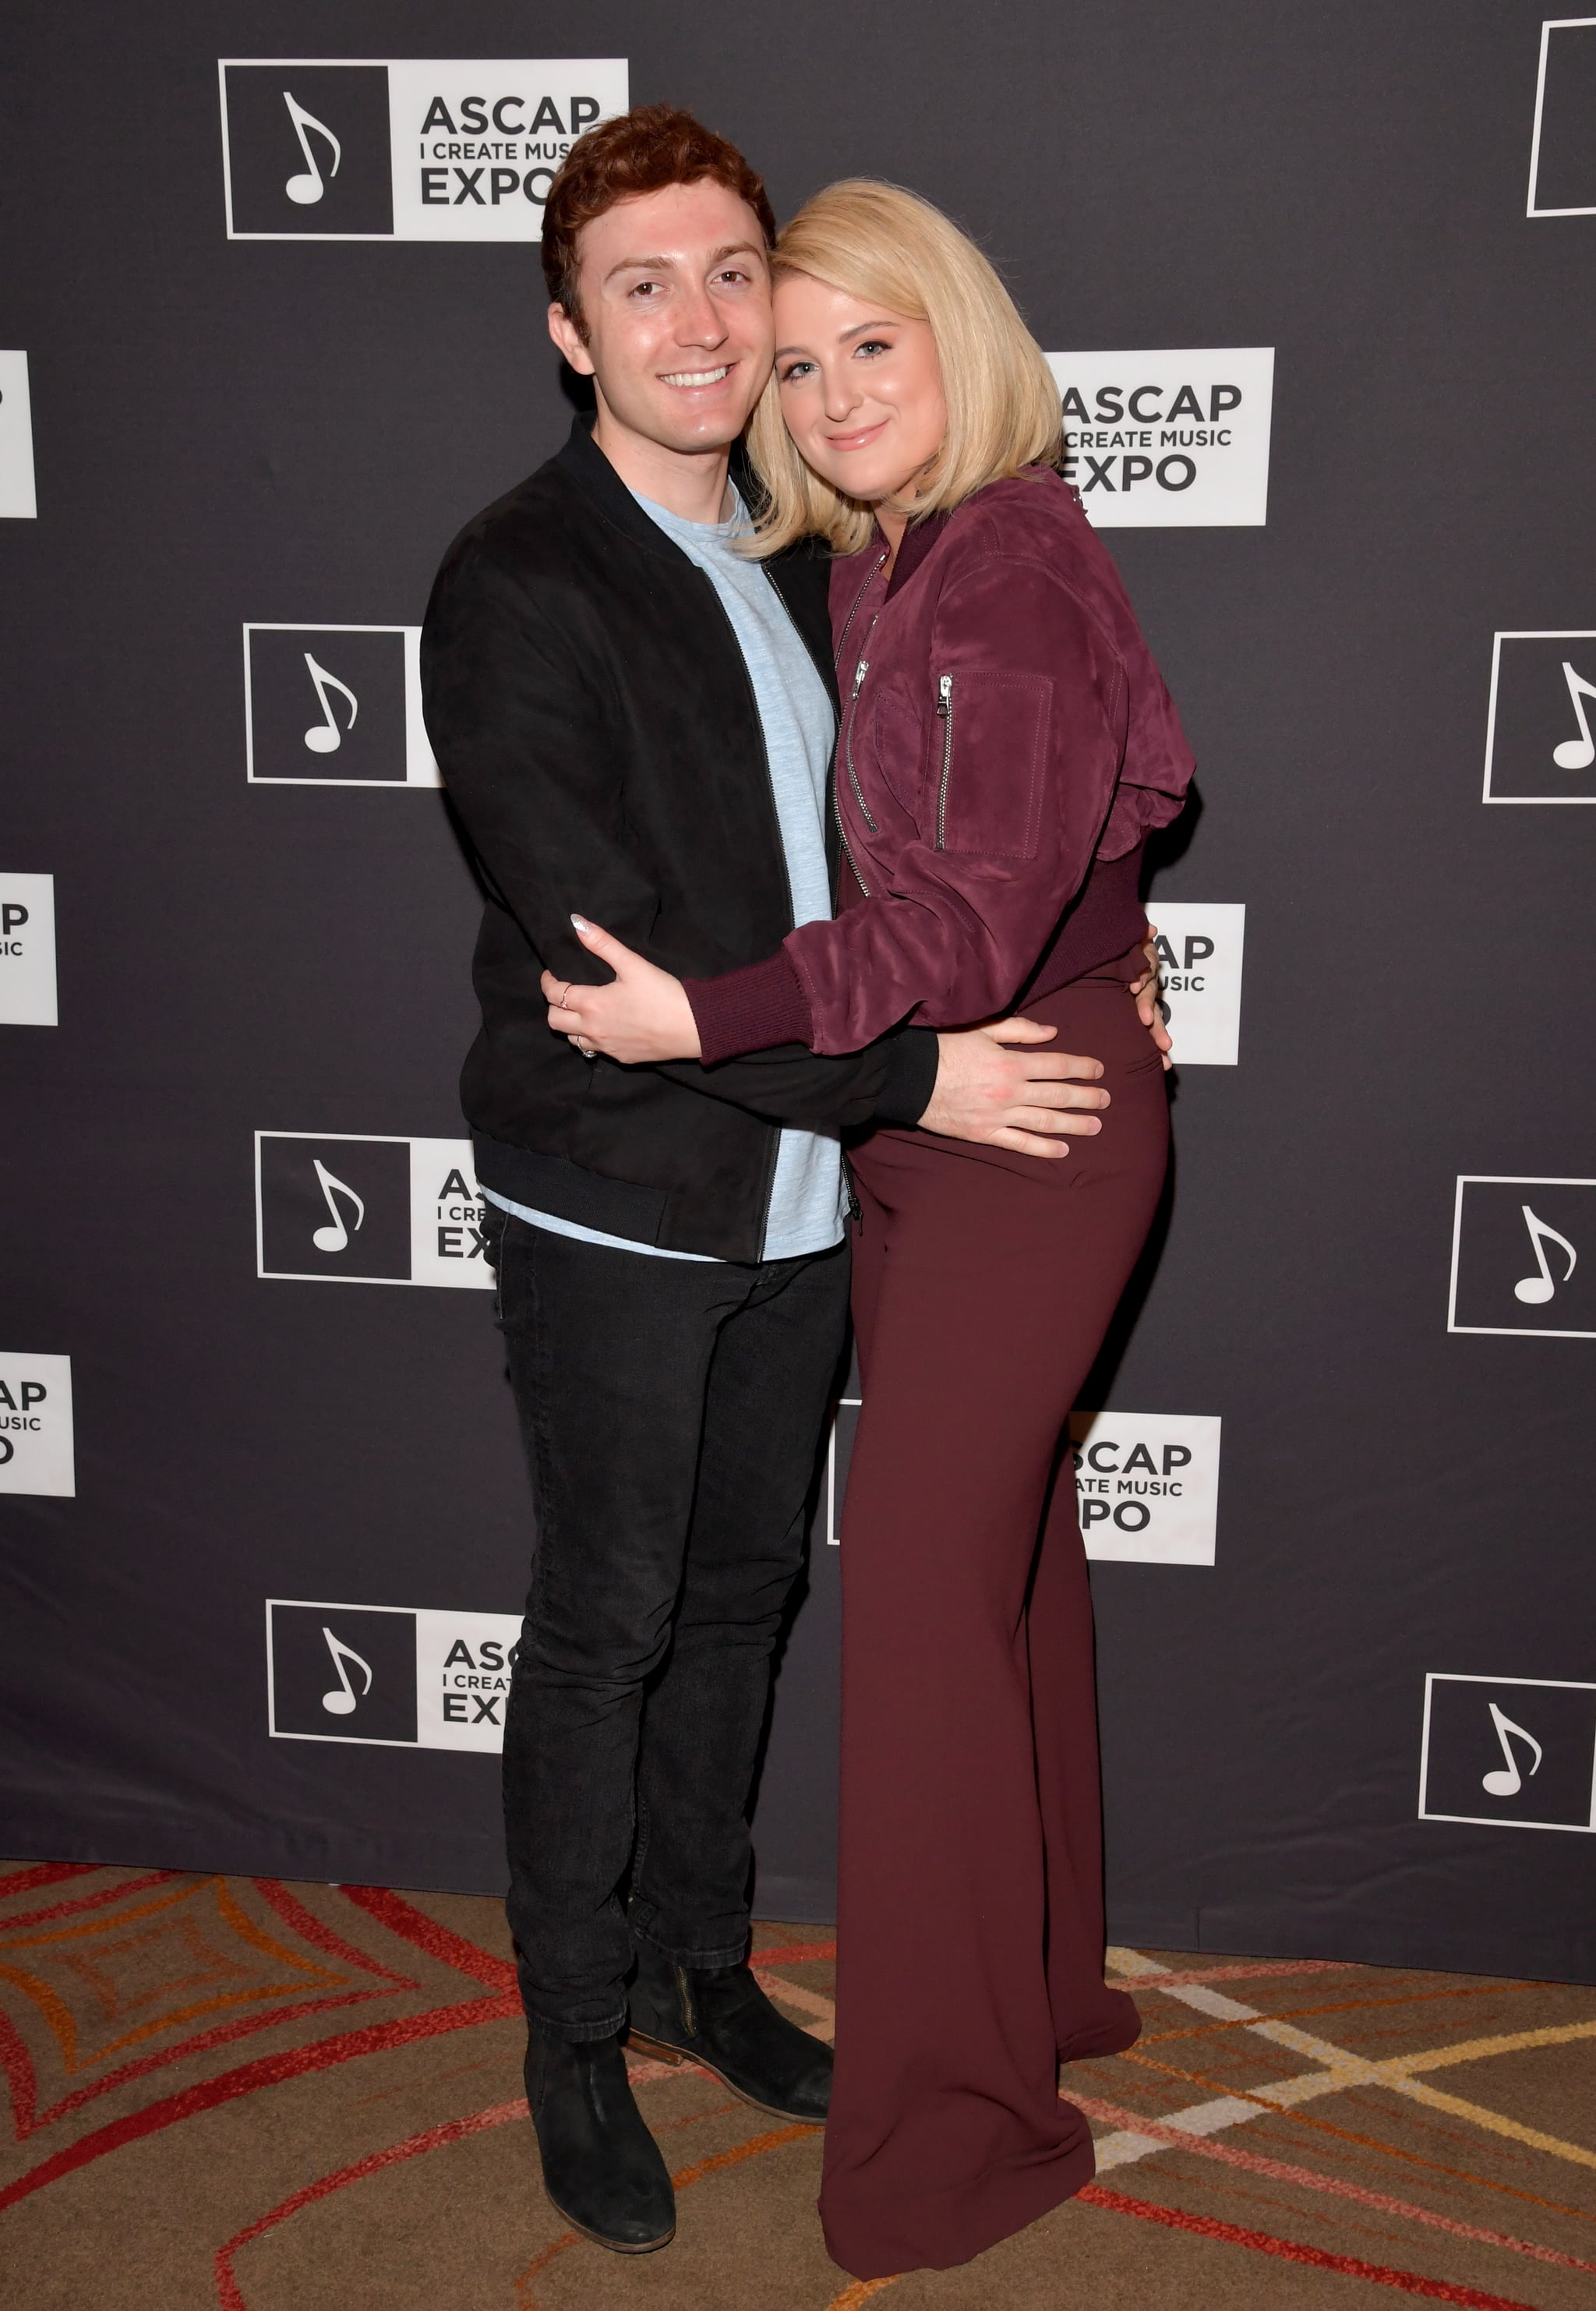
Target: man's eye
{"type": "Point", "coordinates": [645, 288]}
{"type": "Point", "coordinates": [732, 274]}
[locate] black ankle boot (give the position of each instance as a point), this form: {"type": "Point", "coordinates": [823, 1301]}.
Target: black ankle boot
{"type": "Point", "coordinates": [601, 2166]}
{"type": "Point", "coordinates": [724, 2021]}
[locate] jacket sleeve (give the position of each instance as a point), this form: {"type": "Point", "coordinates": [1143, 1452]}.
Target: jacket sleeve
{"type": "Point", "coordinates": [520, 719]}
{"type": "Point", "coordinates": [1014, 786]}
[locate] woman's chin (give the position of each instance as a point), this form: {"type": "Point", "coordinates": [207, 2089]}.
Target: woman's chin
{"type": "Point", "coordinates": [864, 478]}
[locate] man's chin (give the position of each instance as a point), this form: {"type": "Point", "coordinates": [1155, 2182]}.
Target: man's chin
{"type": "Point", "coordinates": [688, 430]}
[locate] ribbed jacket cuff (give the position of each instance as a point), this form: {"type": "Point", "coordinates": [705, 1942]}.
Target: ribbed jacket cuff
{"type": "Point", "coordinates": [912, 1057]}
{"type": "Point", "coordinates": [752, 1010]}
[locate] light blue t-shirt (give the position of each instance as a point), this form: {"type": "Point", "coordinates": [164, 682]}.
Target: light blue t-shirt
{"type": "Point", "coordinates": [807, 1195]}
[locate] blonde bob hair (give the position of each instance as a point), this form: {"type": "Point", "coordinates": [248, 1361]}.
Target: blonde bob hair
{"type": "Point", "coordinates": [886, 246]}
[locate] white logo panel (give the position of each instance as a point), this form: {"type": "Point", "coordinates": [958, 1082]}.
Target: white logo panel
{"type": "Point", "coordinates": [839, 1454]}
{"type": "Point", "coordinates": [387, 1676]}
{"type": "Point", "coordinates": [1199, 949]}
{"type": "Point", "coordinates": [36, 1454]}
{"type": "Point", "coordinates": [1540, 727]}
{"type": "Point", "coordinates": [1562, 150]}
{"type": "Point", "coordinates": [1147, 1485]}
{"type": "Point", "coordinates": [18, 498]}
{"type": "Point", "coordinates": [345, 1207]}
{"type": "Point", "coordinates": [462, 1678]}
{"type": "Point", "coordinates": [315, 149]}
{"type": "Point", "coordinates": [1508, 1752]}
{"type": "Point", "coordinates": [27, 950]}
{"type": "Point", "coordinates": [1172, 440]}
{"type": "Point", "coordinates": [334, 706]}
{"type": "Point", "coordinates": [1523, 1257]}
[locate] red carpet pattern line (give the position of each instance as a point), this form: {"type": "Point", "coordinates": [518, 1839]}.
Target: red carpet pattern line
{"type": "Point", "coordinates": [238, 2094]}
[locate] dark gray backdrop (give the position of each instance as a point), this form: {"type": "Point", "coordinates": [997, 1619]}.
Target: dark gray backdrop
{"type": "Point", "coordinates": [271, 430]}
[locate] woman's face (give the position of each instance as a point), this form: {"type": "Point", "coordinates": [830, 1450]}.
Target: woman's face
{"type": "Point", "coordinates": [861, 389]}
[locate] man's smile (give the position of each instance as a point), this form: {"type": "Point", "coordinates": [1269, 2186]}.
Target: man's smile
{"type": "Point", "coordinates": [692, 378]}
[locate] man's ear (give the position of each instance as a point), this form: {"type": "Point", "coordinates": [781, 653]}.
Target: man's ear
{"type": "Point", "coordinates": [568, 338]}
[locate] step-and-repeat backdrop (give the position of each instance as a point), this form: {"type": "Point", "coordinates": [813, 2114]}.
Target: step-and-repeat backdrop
{"type": "Point", "coordinates": [274, 331]}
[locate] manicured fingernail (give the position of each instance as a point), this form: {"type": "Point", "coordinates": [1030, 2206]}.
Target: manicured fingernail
{"type": "Point", "coordinates": [580, 921]}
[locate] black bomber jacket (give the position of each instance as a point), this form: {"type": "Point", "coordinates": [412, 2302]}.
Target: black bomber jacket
{"type": "Point", "coordinates": [597, 731]}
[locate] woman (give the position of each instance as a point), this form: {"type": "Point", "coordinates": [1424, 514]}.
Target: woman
{"type": "Point", "coordinates": [1006, 745]}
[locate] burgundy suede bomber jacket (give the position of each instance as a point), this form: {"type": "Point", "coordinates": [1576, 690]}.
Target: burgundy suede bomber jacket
{"type": "Point", "coordinates": [1007, 744]}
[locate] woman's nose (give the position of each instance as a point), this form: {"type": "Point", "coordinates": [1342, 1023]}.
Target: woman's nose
{"type": "Point", "coordinates": [842, 396]}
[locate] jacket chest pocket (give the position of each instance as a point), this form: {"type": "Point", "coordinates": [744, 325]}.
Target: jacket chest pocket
{"type": "Point", "coordinates": [898, 743]}
{"type": "Point", "coordinates": [987, 761]}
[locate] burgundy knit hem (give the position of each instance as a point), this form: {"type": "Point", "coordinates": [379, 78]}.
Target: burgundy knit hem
{"type": "Point", "coordinates": [750, 1010]}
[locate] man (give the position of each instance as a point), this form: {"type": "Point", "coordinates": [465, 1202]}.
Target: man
{"type": "Point", "coordinates": [634, 720]}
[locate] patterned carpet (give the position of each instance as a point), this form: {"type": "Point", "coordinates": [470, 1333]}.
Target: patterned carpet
{"type": "Point", "coordinates": [235, 2093]}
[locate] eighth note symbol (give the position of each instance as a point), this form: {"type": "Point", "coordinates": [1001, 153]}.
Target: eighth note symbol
{"type": "Point", "coordinates": [340, 1702]}
{"type": "Point", "coordinates": [1576, 754]}
{"type": "Point", "coordinates": [326, 737]}
{"type": "Point", "coordinates": [1535, 1291]}
{"type": "Point", "coordinates": [308, 187]}
{"type": "Point", "coordinates": [335, 1238]}
{"type": "Point", "coordinates": [1506, 1781]}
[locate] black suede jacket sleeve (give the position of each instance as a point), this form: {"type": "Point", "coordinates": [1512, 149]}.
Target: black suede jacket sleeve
{"type": "Point", "coordinates": [534, 748]}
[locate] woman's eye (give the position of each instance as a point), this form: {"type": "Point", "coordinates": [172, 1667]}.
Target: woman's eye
{"type": "Point", "coordinates": [798, 369]}
{"type": "Point", "coordinates": [873, 346]}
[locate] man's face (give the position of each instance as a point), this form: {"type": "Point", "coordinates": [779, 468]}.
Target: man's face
{"type": "Point", "coordinates": [676, 293]}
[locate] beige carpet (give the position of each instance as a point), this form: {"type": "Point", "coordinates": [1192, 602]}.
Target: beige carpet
{"type": "Point", "coordinates": [235, 2093]}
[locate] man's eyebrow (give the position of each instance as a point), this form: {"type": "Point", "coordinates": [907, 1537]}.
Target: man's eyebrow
{"type": "Point", "coordinates": [667, 264]}
{"type": "Point", "coordinates": [638, 264]}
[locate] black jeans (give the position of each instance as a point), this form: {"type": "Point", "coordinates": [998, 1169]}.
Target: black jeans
{"type": "Point", "coordinates": [672, 1412]}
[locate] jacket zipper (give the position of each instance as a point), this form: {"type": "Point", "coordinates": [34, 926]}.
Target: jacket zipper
{"type": "Point", "coordinates": [860, 673]}
{"type": "Point", "coordinates": [863, 667]}
{"type": "Point", "coordinates": [944, 708]}
{"type": "Point", "coordinates": [858, 598]}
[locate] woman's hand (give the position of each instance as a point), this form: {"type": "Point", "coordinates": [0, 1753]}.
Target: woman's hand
{"type": "Point", "coordinates": [643, 1014]}
{"type": "Point", "coordinates": [1145, 991]}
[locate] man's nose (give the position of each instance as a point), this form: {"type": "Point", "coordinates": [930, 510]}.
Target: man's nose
{"type": "Point", "coordinates": [699, 321]}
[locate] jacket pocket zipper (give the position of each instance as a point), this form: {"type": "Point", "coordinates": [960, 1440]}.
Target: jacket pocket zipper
{"type": "Point", "coordinates": [842, 839]}
{"type": "Point", "coordinates": [861, 671]}
{"type": "Point", "coordinates": [944, 708]}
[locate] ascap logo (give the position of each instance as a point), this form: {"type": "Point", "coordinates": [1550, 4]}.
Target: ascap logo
{"type": "Point", "coordinates": [319, 150]}
{"type": "Point", "coordinates": [334, 706]}
{"type": "Point", "coordinates": [344, 1207]}
{"type": "Point", "coordinates": [1523, 1257]}
{"type": "Point", "coordinates": [27, 950]}
{"type": "Point", "coordinates": [1510, 1752]}
{"type": "Point", "coordinates": [1199, 955]}
{"type": "Point", "coordinates": [1562, 148]}
{"type": "Point", "coordinates": [1147, 1486]}
{"type": "Point", "coordinates": [1540, 744]}
{"type": "Point", "coordinates": [18, 499]}
{"type": "Point", "coordinates": [388, 1675]}
{"type": "Point", "coordinates": [1157, 440]}
{"type": "Point", "coordinates": [36, 1453]}
{"type": "Point", "coordinates": [1146, 1483]}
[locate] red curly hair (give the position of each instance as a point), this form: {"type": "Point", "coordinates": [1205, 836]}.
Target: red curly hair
{"type": "Point", "coordinates": [639, 152]}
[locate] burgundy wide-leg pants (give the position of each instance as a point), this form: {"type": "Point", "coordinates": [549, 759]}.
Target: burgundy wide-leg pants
{"type": "Point", "coordinates": [970, 1924]}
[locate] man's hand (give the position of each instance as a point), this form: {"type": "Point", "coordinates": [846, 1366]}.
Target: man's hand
{"type": "Point", "coordinates": [1145, 990]}
{"type": "Point", "coordinates": [996, 1086]}
{"type": "Point", "coordinates": [643, 1014]}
